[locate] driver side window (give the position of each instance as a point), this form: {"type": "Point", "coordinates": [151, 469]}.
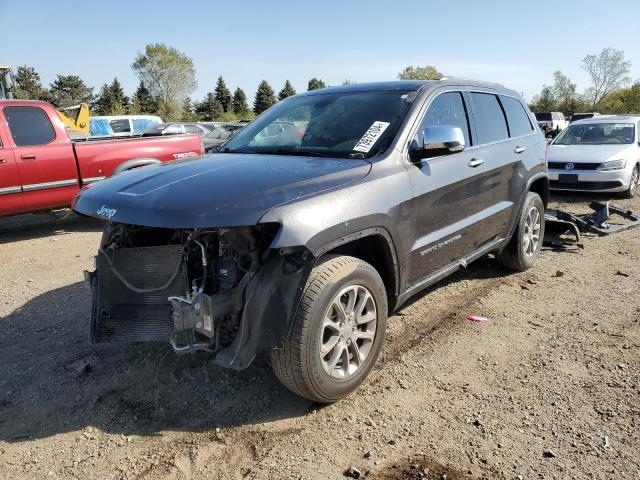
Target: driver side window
{"type": "Point", "coordinates": [447, 109]}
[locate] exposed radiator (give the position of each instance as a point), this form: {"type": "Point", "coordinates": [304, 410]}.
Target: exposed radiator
{"type": "Point", "coordinates": [123, 315]}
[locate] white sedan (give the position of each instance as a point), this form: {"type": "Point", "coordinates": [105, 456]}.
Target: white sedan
{"type": "Point", "coordinates": [600, 154]}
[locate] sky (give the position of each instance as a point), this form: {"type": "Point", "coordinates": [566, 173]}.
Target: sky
{"type": "Point", "coordinates": [516, 43]}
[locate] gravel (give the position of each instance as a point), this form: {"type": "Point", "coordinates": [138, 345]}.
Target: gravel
{"type": "Point", "coordinates": [547, 389]}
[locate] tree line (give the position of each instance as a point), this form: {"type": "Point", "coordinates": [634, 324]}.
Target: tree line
{"type": "Point", "coordinates": [167, 81]}
{"type": "Point", "coordinates": [609, 91]}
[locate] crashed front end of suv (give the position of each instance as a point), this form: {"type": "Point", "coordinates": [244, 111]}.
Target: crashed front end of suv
{"type": "Point", "coordinates": [212, 289]}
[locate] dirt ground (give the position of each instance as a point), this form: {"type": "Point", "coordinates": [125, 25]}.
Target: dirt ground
{"type": "Point", "coordinates": [549, 387]}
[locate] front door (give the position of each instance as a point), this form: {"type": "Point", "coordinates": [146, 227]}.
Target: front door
{"type": "Point", "coordinates": [11, 200]}
{"type": "Point", "coordinates": [46, 164]}
{"type": "Point", "coordinates": [453, 194]}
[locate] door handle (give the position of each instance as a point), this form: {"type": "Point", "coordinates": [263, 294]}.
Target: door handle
{"type": "Point", "coordinates": [476, 162]}
{"type": "Point", "coordinates": [520, 149]}
{"type": "Point", "coordinates": [28, 156]}
{"type": "Point", "coordinates": [3, 160]}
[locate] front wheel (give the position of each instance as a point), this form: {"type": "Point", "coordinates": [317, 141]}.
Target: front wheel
{"type": "Point", "coordinates": [523, 250]}
{"type": "Point", "coordinates": [337, 333]}
{"type": "Point", "coordinates": [633, 183]}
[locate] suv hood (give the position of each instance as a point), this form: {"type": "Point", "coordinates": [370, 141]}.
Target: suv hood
{"type": "Point", "coordinates": [221, 190]}
{"type": "Point", "coordinates": [586, 153]}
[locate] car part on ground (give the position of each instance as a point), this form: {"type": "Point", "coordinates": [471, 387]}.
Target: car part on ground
{"type": "Point", "coordinates": [601, 221]}
{"type": "Point", "coordinates": [561, 225]}
{"type": "Point", "coordinates": [560, 233]}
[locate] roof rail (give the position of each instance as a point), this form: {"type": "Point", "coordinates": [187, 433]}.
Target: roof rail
{"type": "Point", "coordinates": [465, 79]}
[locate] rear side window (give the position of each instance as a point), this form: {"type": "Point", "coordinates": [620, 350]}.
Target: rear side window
{"type": "Point", "coordinates": [29, 126]}
{"type": "Point", "coordinates": [120, 125]}
{"type": "Point", "coordinates": [447, 109]}
{"type": "Point", "coordinates": [519, 123]}
{"type": "Point", "coordinates": [491, 125]}
{"type": "Point", "coordinates": [191, 129]}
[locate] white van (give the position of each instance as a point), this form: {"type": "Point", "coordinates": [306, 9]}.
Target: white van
{"type": "Point", "coordinates": [551, 122]}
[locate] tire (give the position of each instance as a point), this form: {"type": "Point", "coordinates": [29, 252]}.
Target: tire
{"type": "Point", "coordinates": [633, 183]}
{"type": "Point", "coordinates": [519, 255]}
{"type": "Point", "coordinates": [299, 364]}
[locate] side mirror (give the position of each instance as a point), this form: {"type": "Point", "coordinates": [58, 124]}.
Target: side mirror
{"type": "Point", "coordinates": [437, 140]}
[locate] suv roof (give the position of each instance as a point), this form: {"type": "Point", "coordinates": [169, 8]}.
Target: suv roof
{"type": "Point", "coordinates": [414, 85]}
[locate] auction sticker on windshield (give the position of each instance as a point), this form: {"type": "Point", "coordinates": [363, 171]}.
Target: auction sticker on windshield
{"type": "Point", "coordinates": [371, 136]}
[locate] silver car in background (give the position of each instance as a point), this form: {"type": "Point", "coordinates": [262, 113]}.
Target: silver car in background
{"type": "Point", "coordinates": [600, 154]}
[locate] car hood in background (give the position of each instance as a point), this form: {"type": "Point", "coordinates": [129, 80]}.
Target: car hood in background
{"type": "Point", "coordinates": [220, 190]}
{"type": "Point", "coordinates": [586, 153]}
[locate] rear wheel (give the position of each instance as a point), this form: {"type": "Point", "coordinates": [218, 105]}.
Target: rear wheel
{"type": "Point", "coordinates": [338, 331]}
{"type": "Point", "coordinates": [523, 250]}
{"type": "Point", "coordinates": [633, 183]}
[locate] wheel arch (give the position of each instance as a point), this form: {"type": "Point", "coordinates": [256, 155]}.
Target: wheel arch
{"type": "Point", "coordinates": [134, 163]}
{"type": "Point", "coordinates": [374, 246]}
{"type": "Point", "coordinates": [540, 185]}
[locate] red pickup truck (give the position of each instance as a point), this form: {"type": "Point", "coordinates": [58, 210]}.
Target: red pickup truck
{"type": "Point", "coordinates": [41, 168]}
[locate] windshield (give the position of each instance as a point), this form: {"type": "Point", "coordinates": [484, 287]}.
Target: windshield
{"type": "Point", "coordinates": [543, 117]}
{"type": "Point", "coordinates": [597, 134]}
{"type": "Point", "coordinates": [341, 124]}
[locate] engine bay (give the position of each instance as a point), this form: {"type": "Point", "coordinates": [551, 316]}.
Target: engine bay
{"type": "Point", "coordinates": [184, 286]}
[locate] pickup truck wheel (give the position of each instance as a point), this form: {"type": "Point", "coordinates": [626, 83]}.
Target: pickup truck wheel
{"type": "Point", "coordinates": [523, 250]}
{"type": "Point", "coordinates": [337, 333]}
{"type": "Point", "coordinates": [633, 183]}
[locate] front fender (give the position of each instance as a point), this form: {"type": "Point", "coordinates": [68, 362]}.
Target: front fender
{"type": "Point", "coordinates": [271, 300]}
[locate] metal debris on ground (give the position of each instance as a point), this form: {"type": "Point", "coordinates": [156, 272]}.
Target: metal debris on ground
{"type": "Point", "coordinates": [477, 318]}
{"type": "Point", "coordinates": [562, 229]}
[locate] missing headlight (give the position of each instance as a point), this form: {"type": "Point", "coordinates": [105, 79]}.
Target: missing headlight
{"type": "Point", "coordinates": [185, 286]}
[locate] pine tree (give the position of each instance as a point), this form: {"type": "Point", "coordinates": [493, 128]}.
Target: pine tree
{"type": "Point", "coordinates": [28, 84]}
{"type": "Point", "coordinates": [143, 102]}
{"type": "Point", "coordinates": [239, 103]}
{"type": "Point", "coordinates": [188, 111]}
{"type": "Point", "coordinates": [315, 84]}
{"type": "Point", "coordinates": [223, 95]}
{"type": "Point", "coordinates": [111, 100]}
{"type": "Point", "coordinates": [210, 108]}
{"type": "Point", "coordinates": [68, 90]}
{"type": "Point", "coordinates": [118, 95]}
{"type": "Point", "coordinates": [286, 91]}
{"type": "Point", "coordinates": [265, 97]}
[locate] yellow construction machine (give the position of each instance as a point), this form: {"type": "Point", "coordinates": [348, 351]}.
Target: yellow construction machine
{"type": "Point", "coordinates": [76, 119]}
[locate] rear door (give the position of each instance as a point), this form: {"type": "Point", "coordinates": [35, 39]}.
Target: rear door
{"type": "Point", "coordinates": [500, 165]}
{"type": "Point", "coordinates": [11, 200]}
{"type": "Point", "coordinates": [450, 192]}
{"type": "Point", "coordinates": [526, 149]}
{"type": "Point", "coordinates": [46, 163]}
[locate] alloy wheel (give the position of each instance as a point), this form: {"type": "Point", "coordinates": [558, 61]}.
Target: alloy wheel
{"type": "Point", "coordinates": [531, 237]}
{"type": "Point", "coordinates": [348, 331]}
